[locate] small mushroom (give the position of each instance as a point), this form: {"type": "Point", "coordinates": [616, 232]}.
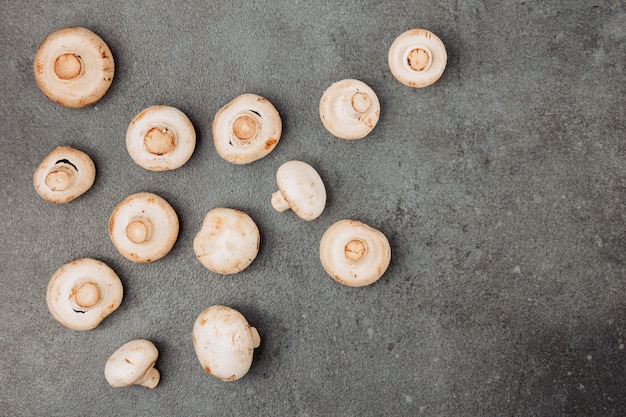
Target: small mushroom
{"type": "Point", "coordinates": [224, 342]}
{"type": "Point", "coordinates": [301, 189]}
{"type": "Point", "coordinates": [74, 67]}
{"type": "Point", "coordinates": [227, 242]}
{"type": "Point", "coordinates": [133, 364]}
{"type": "Point", "coordinates": [417, 58]}
{"type": "Point", "coordinates": [143, 227]}
{"type": "Point", "coordinates": [349, 109]}
{"type": "Point", "coordinates": [354, 254]}
{"type": "Point", "coordinates": [83, 292]}
{"type": "Point", "coordinates": [160, 138]}
{"type": "Point", "coordinates": [64, 174]}
{"type": "Point", "coordinates": [246, 129]}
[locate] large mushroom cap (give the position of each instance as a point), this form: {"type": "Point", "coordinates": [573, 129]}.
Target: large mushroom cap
{"type": "Point", "coordinates": [349, 109]}
{"type": "Point", "coordinates": [64, 174]}
{"type": "Point", "coordinates": [224, 342]}
{"type": "Point", "coordinates": [417, 58]}
{"type": "Point", "coordinates": [143, 227]}
{"type": "Point", "coordinates": [133, 363]}
{"type": "Point", "coordinates": [74, 67]}
{"type": "Point", "coordinates": [227, 242]}
{"type": "Point", "coordinates": [354, 254]}
{"type": "Point", "coordinates": [246, 129]}
{"type": "Point", "coordinates": [82, 293]}
{"type": "Point", "coordinates": [160, 138]}
{"type": "Point", "coordinates": [301, 189]}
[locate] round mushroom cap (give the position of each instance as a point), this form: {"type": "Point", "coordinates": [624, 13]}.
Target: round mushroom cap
{"type": "Point", "coordinates": [82, 293]}
{"type": "Point", "coordinates": [301, 189]}
{"type": "Point", "coordinates": [160, 138]}
{"type": "Point", "coordinates": [417, 58]}
{"type": "Point", "coordinates": [349, 109]}
{"type": "Point", "coordinates": [74, 67]}
{"type": "Point", "coordinates": [354, 254]}
{"type": "Point", "coordinates": [227, 242]}
{"type": "Point", "coordinates": [246, 129]}
{"type": "Point", "coordinates": [224, 342]}
{"type": "Point", "coordinates": [143, 227]}
{"type": "Point", "coordinates": [133, 363]}
{"type": "Point", "coordinates": [64, 174]}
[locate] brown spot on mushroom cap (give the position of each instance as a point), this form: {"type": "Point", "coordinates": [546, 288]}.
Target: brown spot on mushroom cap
{"type": "Point", "coordinates": [270, 143]}
{"type": "Point", "coordinates": [207, 369]}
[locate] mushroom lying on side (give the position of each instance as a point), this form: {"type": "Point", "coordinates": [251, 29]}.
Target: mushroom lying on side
{"type": "Point", "coordinates": [227, 242]}
{"type": "Point", "coordinates": [354, 254]}
{"type": "Point", "coordinates": [83, 292]}
{"type": "Point", "coordinates": [246, 129]}
{"type": "Point", "coordinates": [417, 58]}
{"type": "Point", "coordinates": [74, 67]}
{"type": "Point", "coordinates": [143, 227]}
{"type": "Point", "coordinates": [300, 189]}
{"type": "Point", "coordinates": [349, 109]}
{"type": "Point", "coordinates": [224, 342]}
{"type": "Point", "coordinates": [133, 364]}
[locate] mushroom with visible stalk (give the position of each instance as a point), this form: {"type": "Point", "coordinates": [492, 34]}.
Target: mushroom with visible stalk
{"type": "Point", "coordinates": [227, 242]}
{"type": "Point", "coordinates": [83, 292]}
{"type": "Point", "coordinates": [224, 342]}
{"type": "Point", "coordinates": [300, 189]}
{"type": "Point", "coordinates": [74, 67]}
{"type": "Point", "coordinates": [64, 174]}
{"type": "Point", "coordinates": [349, 109]}
{"type": "Point", "coordinates": [133, 364]}
{"type": "Point", "coordinates": [354, 254]}
{"type": "Point", "coordinates": [246, 129]}
{"type": "Point", "coordinates": [160, 138]}
{"type": "Point", "coordinates": [143, 227]}
{"type": "Point", "coordinates": [417, 58]}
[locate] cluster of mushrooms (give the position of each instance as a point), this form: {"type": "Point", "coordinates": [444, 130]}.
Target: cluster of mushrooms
{"type": "Point", "coordinates": [74, 68]}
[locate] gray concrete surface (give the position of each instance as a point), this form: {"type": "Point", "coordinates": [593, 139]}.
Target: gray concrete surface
{"type": "Point", "coordinates": [502, 189]}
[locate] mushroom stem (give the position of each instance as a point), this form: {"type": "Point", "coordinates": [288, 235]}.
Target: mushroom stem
{"type": "Point", "coordinates": [418, 59]}
{"type": "Point", "coordinates": [244, 127]}
{"type": "Point", "coordinates": [59, 179]}
{"type": "Point", "coordinates": [87, 295]}
{"type": "Point", "coordinates": [138, 231]}
{"type": "Point", "coordinates": [256, 338]}
{"type": "Point", "coordinates": [361, 102]}
{"type": "Point", "coordinates": [278, 202]}
{"type": "Point", "coordinates": [150, 379]}
{"type": "Point", "coordinates": [355, 250]}
{"type": "Point", "coordinates": [67, 66]}
{"type": "Point", "coordinates": [159, 141]}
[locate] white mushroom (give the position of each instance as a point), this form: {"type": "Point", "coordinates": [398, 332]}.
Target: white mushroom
{"type": "Point", "coordinates": [227, 242]}
{"type": "Point", "coordinates": [301, 189]}
{"type": "Point", "coordinates": [64, 174]}
{"type": "Point", "coordinates": [224, 342]}
{"type": "Point", "coordinates": [83, 292]}
{"type": "Point", "coordinates": [143, 227]}
{"type": "Point", "coordinates": [417, 58]}
{"type": "Point", "coordinates": [74, 67]}
{"type": "Point", "coordinates": [354, 254]}
{"type": "Point", "coordinates": [160, 138]}
{"type": "Point", "coordinates": [349, 109]}
{"type": "Point", "coordinates": [133, 364]}
{"type": "Point", "coordinates": [246, 129]}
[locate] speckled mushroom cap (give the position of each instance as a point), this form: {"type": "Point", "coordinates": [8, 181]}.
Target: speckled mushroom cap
{"type": "Point", "coordinates": [417, 58]}
{"type": "Point", "coordinates": [354, 254]}
{"type": "Point", "coordinates": [224, 342]}
{"type": "Point", "coordinates": [227, 242]}
{"type": "Point", "coordinates": [143, 227]}
{"type": "Point", "coordinates": [83, 292]}
{"type": "Point", "coordinates": [349, 109]}
{"type": "Point", "coordinates": [133, 364]}
{"type": "Point", "coordinates": [301, 189]}
{"type": "Point", "coordinates": [64, 174]}
{"type": "Point", "coordinates": [160, 138]}
{"type": "Point", "coordinates": [74, 67]}
{"type": "Point", "coordinates": [246, 129]}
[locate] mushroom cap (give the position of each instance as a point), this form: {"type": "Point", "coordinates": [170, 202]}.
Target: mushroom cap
{"type": "Point", "coordinates": [354, 254]}
{"type": "Point", "coordinates": [349, 109]}
{"type": "Point", "coordinates": [246, 129]}
{"type": "Point", "coordinates": [227, 242]}
{"type": "Point", "coordinates": [64, 174]}
{"type": "Point", "coordinates": [143, 227]}
{"type": "Point", "coordinates": [417, 58]}
{"type": "Point", "coordinates": [302, 188]}
{"type": "Point", "coordinates": [74, 67]}
{"type": "Point", "coordinates": [83, 292]}
{"type": "Point", "coordinates": [224, 342]}
{"type": "Point", "coordinates": [160, 138]}
{"type": "Point", "coordinates": [133, 363]}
